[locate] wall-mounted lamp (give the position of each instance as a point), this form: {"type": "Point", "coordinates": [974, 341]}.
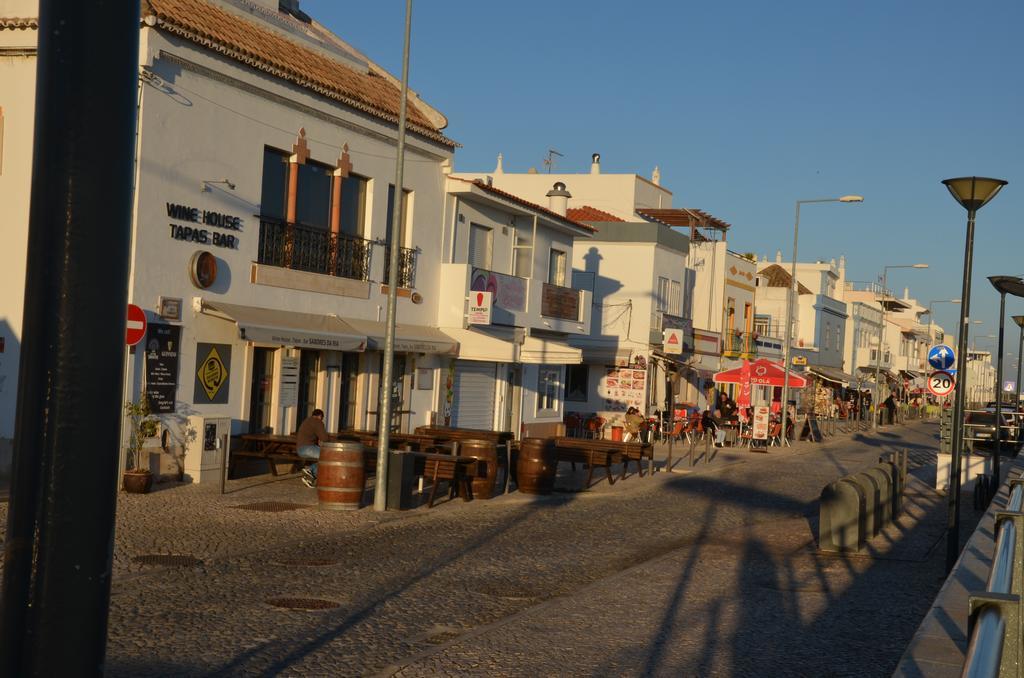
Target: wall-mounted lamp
{"type": "Point", "coordinates": [204, 185]}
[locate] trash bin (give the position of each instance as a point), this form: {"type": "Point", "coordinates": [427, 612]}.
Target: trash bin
{"type": "Point", "coordinates": [617, 433]}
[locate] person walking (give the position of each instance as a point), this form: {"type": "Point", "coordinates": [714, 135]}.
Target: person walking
{"type": "Point", "coordinates": [890, 405]}
{"type": "Point", "coordinates": [310, 436]}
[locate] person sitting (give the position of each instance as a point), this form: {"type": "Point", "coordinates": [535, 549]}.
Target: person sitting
{"type": "Point", "coordinates": [310, 436]}
{"type": "Point", "coordinates": [633, 422]}
{"type": "Point", "coordinates": [711, 427]}
{"type": "Point", "coordinates": [726, 406]}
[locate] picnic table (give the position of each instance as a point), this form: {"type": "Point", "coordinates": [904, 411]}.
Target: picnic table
{"type": "Point", "coordinates": [603, 453]}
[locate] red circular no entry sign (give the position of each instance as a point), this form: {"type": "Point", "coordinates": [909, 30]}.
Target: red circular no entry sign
{"type": "Point", "coordinates": [136, 327]}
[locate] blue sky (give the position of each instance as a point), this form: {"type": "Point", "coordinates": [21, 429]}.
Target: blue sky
{"type": "Point", "coordinates": [747, 107]}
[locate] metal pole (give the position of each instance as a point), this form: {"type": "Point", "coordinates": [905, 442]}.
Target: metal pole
{"type": "Point", "coordinates": [878, 357]}
{"type": "Point", "coordinates": [953, 521]}
{"type": "Point", "coordinates": [380, 499]}
{"type": "Point", "coordinates": [1016, 402]}
{"type": "Point", "coordinates": [60, 531]}
{"type": "Point", "coordinates": [999, 396]}
{"type": "Point", "coordinates": [788, 331]}
{"type": "Point", "coordinates": [671, 419]}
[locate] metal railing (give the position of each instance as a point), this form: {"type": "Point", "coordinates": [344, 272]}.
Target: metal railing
{"type": "Point", "coordinates": [406, 266]}
{"type": "Point", "coordinates": [313, 249]}
{"type": "Point", "coordinates": [736, 344]}
{"type": "Point", "coordinates": [994, 626]}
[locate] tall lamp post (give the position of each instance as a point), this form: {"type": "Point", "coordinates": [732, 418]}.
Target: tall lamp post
{"type": "Point", "coordinates": [881, 335]}
{"type": "Point", "coordinates": [972, 193]}
{"type": "Point", "coordinates": [1004, 284]}
{"type": "Point", "coordinates": [789, 306]}
{"type": "Point", "coordinates": [1019, 319]}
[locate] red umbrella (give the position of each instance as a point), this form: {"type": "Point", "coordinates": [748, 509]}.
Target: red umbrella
{"type": "Point", "coordinates": [743, 399]}
{"type": "Point", "coordinates": [763, 372]}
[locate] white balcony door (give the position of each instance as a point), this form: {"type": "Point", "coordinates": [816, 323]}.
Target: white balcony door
{"type": "Point", "coordinates": [481, 245]}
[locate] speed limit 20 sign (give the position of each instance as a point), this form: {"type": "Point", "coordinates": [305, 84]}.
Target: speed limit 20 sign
{"type": "Point", "coordinates": [941, 383]}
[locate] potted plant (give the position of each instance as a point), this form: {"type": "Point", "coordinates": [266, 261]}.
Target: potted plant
{"type": "Point", "coordinates": [143, 425]}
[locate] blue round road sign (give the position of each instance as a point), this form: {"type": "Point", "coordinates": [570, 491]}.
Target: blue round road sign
{"type": "Point", "coordinates": [941, 357]}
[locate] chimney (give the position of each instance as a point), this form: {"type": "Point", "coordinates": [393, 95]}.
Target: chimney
{"type": "Point", "coordinates": [489, 180]}
{"type": "Point", "coordinates": [595, 163]}
{"type": "Point", "coordinates": [499, 169]}
{"type": "Point", "coordinates": [558, 198]}
{"type": "Point", "coordinates": [778, 256]}
{"type": "Point", "coordinates": [656, 176]}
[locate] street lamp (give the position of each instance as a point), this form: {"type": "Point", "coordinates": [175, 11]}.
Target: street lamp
{"type": "Point", "coordinates": [972, 193]}
{"type": "Point", "coordinates": [881, 335]}
{"type": "Point", "coordinates": [789, 305]}
{"type": "Point", "coordinates": [1019, 319]}
{"type": "Point", "coordinates": [1004, 284]}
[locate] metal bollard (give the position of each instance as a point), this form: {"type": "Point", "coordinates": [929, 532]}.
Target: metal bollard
{"type": "Point", "coordinates": [884, 482]}
{"type": "Point", "coordinates": [870, 490]}
{"type": "Point", "coordinates": [841, 525]}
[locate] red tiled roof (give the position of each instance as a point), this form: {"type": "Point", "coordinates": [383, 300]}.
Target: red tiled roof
{"type": "Point", "coordinates": [588, 213]}
{"type": "Point", "coordinates": [233, 36]}
{"type": "Point", "coordinates": [780, 277]}
{"type": "Point", "coordinates": [479, 183]}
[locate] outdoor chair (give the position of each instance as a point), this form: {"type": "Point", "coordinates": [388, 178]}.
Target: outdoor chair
{"type": "Point", "coordinates": [678, 431]}
{"type": "Point", "coordinates": [775, 434]}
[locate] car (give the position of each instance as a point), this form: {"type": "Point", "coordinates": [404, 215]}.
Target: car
{"type": "Point", "coordinates": [980, 429]}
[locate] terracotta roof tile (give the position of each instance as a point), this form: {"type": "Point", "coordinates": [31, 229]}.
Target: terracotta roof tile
{"type": "Point", "coordinates": [233, 36]}
{"type": "Point", "coordinates": [780, 277]}
{"type": "Point", "coordinates": [479, 183]}
{"type": "Point", "coordinates": [588, 213]}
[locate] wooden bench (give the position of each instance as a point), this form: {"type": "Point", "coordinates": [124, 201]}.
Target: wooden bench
{"type": "Point", "coordinates": [637, 452]}
{"type": "Point", "coordinates": [280, 449]}
{"type": "Point", "coordinates": [591, 456]}
{"type": "Point", "coordinates": [458, 471]}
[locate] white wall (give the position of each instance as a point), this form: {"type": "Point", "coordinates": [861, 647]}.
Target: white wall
{"type": "Point", "coordinates": [17, 97]}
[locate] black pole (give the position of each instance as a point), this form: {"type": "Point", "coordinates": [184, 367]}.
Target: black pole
{"type": "Point", "coordinates": [953, 521]}
{"type": "Point", "coordinates": [53, 619]}
{"type": "Point", "coordinates": [1016, 401]}
{"type": "Point", "coordinates": [999, 396]}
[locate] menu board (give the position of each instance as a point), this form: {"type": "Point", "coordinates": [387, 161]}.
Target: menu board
{"type": "Point", "coordinates": [162, 345]}
{"type": "Point", "coordinates": [761, 423]}
{"type": "Point", "coordinates": [623, 387]}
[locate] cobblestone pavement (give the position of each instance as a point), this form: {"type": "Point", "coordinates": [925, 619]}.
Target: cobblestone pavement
{"type": "Point", "coordinates": [708, 572]}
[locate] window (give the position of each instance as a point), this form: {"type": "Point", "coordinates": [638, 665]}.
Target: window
{"type": "Point", "coordinates": [313, 198]}
{"type": "Point", "coordinates": [748, 316]}
{"type": "Point", "coordinates": [353, 205]}
{"type": "Point", "coordinates": [576, 383]}
{"type": "Point", "coordinates": [481, 243]}
{"type": "Point", "coordinates": [274, 193]}
{"type": "Point", "coordinates": [547, 389]}
{"type": "Point", "coordinates": [260, 390]}
{"type": "Point", "coordinates": [730, 314]}
{"type": "Point", "coordinates": [309, 369]}
{"type": "Point", "coordinates": [521, 257]}
{"type": "Point", "coordinates": [660, 305]}
{"type": "Point", "coordinates": [556, 268]}
{"type": "Point", "coordinates": [675, 298]}
{"type": "Point", "coordinates": [402, 242]}
{"type": "Point", "coordinates": [763, 325]}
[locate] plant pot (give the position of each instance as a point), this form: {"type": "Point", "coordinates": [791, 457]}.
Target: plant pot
{"type": "Point", "coordinates": [138, 481]}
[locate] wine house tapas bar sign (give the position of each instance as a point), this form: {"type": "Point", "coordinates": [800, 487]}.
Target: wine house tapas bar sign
{"type": "Point", "coordinates": [196, 222]}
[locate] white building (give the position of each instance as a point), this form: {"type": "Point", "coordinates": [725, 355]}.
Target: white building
{"type": "Point", "coordinates": [265, 158]}
{"type": "Point", "coordinates": [511, 369]}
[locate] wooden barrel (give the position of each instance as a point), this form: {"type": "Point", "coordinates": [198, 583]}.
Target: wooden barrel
{"type": "Point", "coordinates": [340, 476]}
{"type": "Point", "coordinates": [487, 453]}
{"type": "Point", "coordinates": [535, 469]}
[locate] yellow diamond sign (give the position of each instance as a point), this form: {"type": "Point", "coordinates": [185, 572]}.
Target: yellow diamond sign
{"type": "Point", "coordinates": [212, 374]}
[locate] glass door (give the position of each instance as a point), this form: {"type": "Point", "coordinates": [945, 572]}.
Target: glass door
{"type": "Point", "coordinates": [349, 380]}
{"type": "Point", "coordinates": [260, 390]}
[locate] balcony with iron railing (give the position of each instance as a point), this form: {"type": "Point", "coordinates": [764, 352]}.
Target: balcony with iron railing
{"type": "Point", "coordinates": [315, 250]}
{"type": "Point", "coordinates": [737, 344]}
{"type": "Point", "coordinates": [406, 266]}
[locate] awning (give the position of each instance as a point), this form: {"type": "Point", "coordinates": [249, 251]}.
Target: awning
{"type": "Point", "coordinates": [288, 328]}
{"type": "Point", "coordinates": [549, 351]}
{"type": "Point", "coordinates": [482, 346]}
{"type": "Point", "coordinates": [408, 338]}
{"type": "Point", "coordinates": [607, 355]}
{"type": "Point", "coordinates": [870, 372]}
{"type": "Point", "coordinates": [830, 374]}
{"type": "Point", "coordinates": [910, 374]}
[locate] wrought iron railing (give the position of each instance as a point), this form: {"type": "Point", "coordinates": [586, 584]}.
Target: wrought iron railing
{"type": "Point", "coordinates": [313, 249]}
{"type": "Point", "coordinates": [406, 266]}
{"type": "Point", "coordinates": [739, 344]}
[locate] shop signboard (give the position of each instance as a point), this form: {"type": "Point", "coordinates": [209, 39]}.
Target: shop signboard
{"type": "Point", "coordinates": [289, 391]}
{"type": "Point", "coordinates": [479, 312]}
{"type": "Point", "coordinates": [509, 291]}
{"type": "Point", "coordinates": [761, 423]}
{"type": "Point", "coordinates": [163, 342]}
{"type": "Point", "coordinates": [213, 372]}
{"type": "Point", "coordinates": [623, 387]}
{"type": "Point", "coordinates": [673, 342]}
{"type": "Point", "coordinates": [559, 302]}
